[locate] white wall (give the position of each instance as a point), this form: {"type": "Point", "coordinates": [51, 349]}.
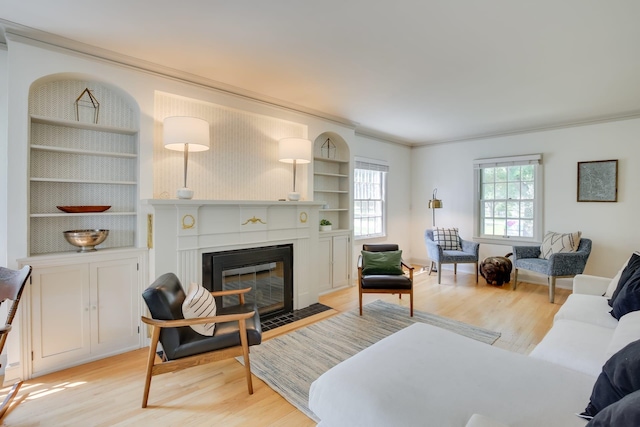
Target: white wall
{"type": "Point", "coordinates": [612, 226]}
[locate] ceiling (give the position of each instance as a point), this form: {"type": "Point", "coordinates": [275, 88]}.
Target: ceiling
{"type": "Point", "coordinates": [416, 72]}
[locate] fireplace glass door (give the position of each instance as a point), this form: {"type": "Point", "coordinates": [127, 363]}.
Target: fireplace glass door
{"type": "Point", "coordinates": [268, 271]}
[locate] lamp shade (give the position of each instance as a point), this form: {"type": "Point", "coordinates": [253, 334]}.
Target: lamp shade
{"type": "Point", "coordinates": [179, 131]}
{"type": "Point", "coordinates": [298, 149]}
{"type": "Point", "coordinates": [435, 204]}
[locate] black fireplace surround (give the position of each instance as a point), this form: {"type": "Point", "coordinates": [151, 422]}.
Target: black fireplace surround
{"type": "Point", "coordinates": [268, 271]}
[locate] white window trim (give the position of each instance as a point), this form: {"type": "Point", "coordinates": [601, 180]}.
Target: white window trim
{"type": "Point", "coordinates": [376, 165]}
{"type": "Point", "coordinates": [530, 159]}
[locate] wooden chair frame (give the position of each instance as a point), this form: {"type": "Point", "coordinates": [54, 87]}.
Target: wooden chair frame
{"type": "Point", "coordinates": [386, 291]}
{"type": "Point", "coordinates": [14, 292]}
{"type": "Point", "coordinates": [203, 358]}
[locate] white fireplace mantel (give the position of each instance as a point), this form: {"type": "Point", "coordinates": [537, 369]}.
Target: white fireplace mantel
{"type": "Point", "coordinates": [180, 231]}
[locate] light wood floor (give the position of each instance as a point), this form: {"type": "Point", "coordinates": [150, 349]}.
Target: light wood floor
{"type": "Point", "coordinates": [108, 392]}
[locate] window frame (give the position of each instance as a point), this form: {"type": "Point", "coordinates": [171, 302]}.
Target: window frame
{"type": "Point", "coordinates": [531, 159]}
{"type": "Point", "coordinates": [375, 165]}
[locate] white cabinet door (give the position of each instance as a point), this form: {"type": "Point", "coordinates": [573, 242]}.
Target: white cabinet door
{"type": "Point", "coordinates": [340, 260]}
{"type": "Point", "coordinates": [83, 310]}
{"type": "Point", "coordinates": [60, 316]}
{"type": "Point", "coordinates": [114, 306]}
{"type": "Point", "coordinates": [325, 261]}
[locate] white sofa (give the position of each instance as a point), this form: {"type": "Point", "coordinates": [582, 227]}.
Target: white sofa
{"type": "Point", "coordinates": [426, 376]}
{"type": "Point", "coordinates": [584, 335]}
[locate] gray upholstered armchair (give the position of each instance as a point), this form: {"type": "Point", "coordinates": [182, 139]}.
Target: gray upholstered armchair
{"type": "Point", "coordinates": [564, 264]}
{"type": "Point", "coordinates": [439, 256]}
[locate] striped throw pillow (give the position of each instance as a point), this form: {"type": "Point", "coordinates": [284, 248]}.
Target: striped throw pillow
{"type": "Point", "coordinates": [199, 303]}
{"type": "Point", "coordinates": [554, 243]}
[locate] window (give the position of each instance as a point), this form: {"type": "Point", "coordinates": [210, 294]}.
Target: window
{"type": "Point", "coordinates": [508, 198]}
{"type": "Point", "coordinates": [369, 197]}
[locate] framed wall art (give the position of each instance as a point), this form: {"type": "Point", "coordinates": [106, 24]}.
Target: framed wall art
{"type": "Point", "coordinates": [598, 181]}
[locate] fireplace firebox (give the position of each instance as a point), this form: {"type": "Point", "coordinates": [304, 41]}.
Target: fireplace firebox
{"type": "Point", "coordinates": [268, 271]}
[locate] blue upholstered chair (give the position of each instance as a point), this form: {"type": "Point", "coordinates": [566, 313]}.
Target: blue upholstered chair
{"type": "Point", "coordinates": [559, 265]}
{"type": "Point", "coordinates": [439, 256]}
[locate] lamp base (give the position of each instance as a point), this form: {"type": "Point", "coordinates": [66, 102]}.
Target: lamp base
{"type": "Point", "coordinates": [293, 196]}
{"type": "Point", "coordinates": [184, 193]}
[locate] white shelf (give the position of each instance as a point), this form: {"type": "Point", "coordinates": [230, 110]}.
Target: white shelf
{"type": "Point", "coordinates": [64, 214]}
{"type": "Point", "coordinates": [336, 175]}
{"type": "Point", "coordinates": [324, 159]}
{"type": "Point", "coordinates": [82, 181]}
{"type": "Point", "coordinates": [332, 191]}
{"type": "Point", "coordinates": [334, 210]}
{"type": "Point", "coordinates": [81, 125]}
{"type": "Point", "coordinates": [84, 152]}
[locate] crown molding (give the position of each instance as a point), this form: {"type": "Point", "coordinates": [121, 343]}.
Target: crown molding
{"type": "Point", "coordinates": [20, 33]}
{"type": "Point", "coordinates": [383, 137]}
{"type": "Point", "coordinates": [592, 121]}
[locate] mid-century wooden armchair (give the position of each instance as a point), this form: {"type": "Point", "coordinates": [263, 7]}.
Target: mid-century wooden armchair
{"type": "Point", "coordinates": [237, 328]}
{"type": "Point", "coordinates": [11, 286]}
{"type": "Point", "coordinates": [385, 282]}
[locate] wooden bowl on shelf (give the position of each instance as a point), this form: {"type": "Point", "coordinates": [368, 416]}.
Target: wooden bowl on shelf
{"type": "Point", "coordinates": [83, 209]}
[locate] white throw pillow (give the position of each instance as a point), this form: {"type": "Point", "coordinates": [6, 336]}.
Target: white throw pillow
{"type": "Point", "coordinates": [447, 238]}
{"type": "Point", "coordinates": [554, 243]}
{"type": "Point", "coordinates": [614, 282]}
{"type": "Point", "coordinates": [199, 303]}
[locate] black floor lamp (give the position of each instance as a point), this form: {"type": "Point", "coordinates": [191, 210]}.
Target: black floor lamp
{"type": "Point", "coordinates": [434, 204]}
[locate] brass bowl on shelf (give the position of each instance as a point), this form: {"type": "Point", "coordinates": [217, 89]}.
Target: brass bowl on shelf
{"type": "Point", "coordinates": [86, 240]}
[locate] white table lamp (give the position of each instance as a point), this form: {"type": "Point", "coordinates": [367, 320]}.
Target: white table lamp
{"type": "Point", "coordinates": [296, 151]}
{"type": "Point", "coordinates": [186, 134]}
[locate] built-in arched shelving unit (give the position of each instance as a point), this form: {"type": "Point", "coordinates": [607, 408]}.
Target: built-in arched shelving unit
{"type": "Point", "coordinates": [331, 179]}
{"type": "Point", "coordinates": [75, 161]}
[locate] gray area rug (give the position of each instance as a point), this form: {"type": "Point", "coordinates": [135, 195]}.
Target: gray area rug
{"type": "Point", "coordinates": [291, 362]}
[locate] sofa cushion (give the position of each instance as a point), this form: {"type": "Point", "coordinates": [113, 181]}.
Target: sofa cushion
{"type": "Point", "coordinates": [591, 309]}
{"type": "Point", "coordinates": [447, 238]}
{"type": "Point", "coordinates": [554, 243]}
{"type": "Point", "coordinates": [632, 265]}
{"type": "Point", "coordinates": [387, 262]}
{"type": "Point", "coordinates": [623, 413]}
{"type": "Point", "coordinates": [199, 303]}
{"type": "Point", "coordinates": [575, 345]}
{"type": "Point", "coordinates": [620, 376]}
{"type": "Point", "coordinates": [628, 299]}
{"type": "Point", "coordinates": [627, 331]}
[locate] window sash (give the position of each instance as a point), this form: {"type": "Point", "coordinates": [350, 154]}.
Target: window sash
{"type": "Point", "coordinates": [508, 203]}
{"type": "Point", "coordinates": [369, 200]}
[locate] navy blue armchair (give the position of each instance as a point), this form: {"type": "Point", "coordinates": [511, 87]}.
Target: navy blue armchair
{"type": "Point", "coordinates": [439, 256]}
{"type": "Point", "coordinates": [559, 265]}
